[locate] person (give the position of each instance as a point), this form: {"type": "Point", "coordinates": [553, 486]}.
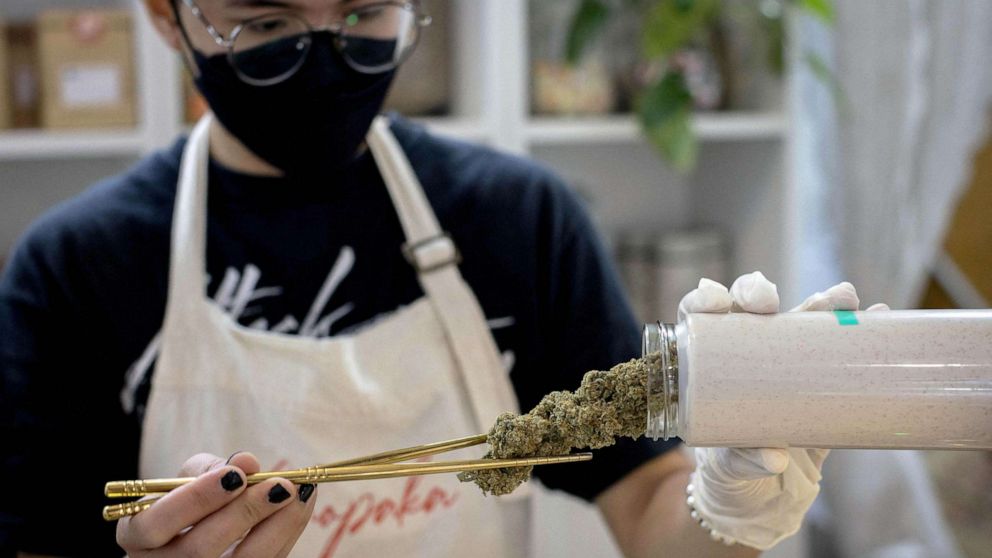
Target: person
{"type": "Point", "coordinates": [283, 286]}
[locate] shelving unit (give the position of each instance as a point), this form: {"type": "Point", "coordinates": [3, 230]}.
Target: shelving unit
{"type": "Point", "coordinates": [743, 158]}
{"type": "Point", "coordinates": [27, 145]}
{"type": "Point", "coordinates": [744, 155]}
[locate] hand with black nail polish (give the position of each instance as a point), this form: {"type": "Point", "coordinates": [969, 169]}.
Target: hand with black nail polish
{"type": "Point", "coordinates": [222, 508]}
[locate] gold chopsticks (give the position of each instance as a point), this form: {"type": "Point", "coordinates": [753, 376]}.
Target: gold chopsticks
{"type": "Point", "coordinates": [414, 452]}
{"type": "Point", "coordinates": [376, 466]}
{"type": "Point", "coordinates": [118, 511]}
{"type": "Point", "coordinates": [129, 489]}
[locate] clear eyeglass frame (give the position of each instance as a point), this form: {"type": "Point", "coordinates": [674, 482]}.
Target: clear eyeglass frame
{"type": "Point", "coordinates": [337, 29]}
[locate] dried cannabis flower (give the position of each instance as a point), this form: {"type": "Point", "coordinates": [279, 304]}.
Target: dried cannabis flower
{"type": "Point", "coordinates": [606, 405]}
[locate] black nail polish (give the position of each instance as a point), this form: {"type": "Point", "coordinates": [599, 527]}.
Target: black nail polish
{"type": "Point", "coordinates": [278, 494]}
{"type": "Point", "coordinates": [231, 481]}
{"type": "Point", "coordinates": [228, 462]}
{"type": "Point", "coordinates": [306, 491]}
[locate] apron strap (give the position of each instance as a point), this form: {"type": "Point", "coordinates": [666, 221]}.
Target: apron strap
{"type": "Point", "coordinates": [433, 254]}
{"type": "Point", "coordinates": [187, 262]}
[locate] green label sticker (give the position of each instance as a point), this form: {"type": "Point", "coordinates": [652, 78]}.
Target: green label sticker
{"type": "Point", "coordinates": [846, 317]}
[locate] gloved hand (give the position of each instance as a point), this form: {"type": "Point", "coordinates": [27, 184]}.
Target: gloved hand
{"type": "Point", "coordinates": [757, 497]}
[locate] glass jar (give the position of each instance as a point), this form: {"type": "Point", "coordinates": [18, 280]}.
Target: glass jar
{"type": "Point", "coordinates": [897, 379]}
{"type": "Point", "coordinates": [557, 87]}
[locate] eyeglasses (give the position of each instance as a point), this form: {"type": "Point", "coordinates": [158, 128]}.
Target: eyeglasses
{"type": "Point", "coordinates": [372, 38]}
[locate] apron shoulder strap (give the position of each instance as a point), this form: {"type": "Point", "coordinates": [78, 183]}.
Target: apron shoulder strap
{"type": "Point", "coordinates": [435, 257]}
{"type": "Point", "coordinates": [187, 260]}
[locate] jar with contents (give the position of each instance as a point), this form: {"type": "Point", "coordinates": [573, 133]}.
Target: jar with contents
{"type": "Point", "coordinates": [558, 87]}
{"type": "Point", "coordinates": [912, 379]}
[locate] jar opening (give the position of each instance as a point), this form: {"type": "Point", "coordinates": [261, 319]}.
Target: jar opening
{"type": "Point", "coordinates": [662, 382]}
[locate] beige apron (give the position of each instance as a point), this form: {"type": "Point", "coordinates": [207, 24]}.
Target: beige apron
{"type": "Point", "coordinates": [429, 371]}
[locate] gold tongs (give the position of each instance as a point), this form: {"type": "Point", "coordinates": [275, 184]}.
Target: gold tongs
{"type": "Point", "coordinates": [377, 466]}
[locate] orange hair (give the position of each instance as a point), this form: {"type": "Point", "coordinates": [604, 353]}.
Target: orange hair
{"type": "Point", "coordinates": [159, 8]}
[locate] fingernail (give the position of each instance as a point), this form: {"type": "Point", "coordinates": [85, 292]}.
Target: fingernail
{"type": "Point", "coordinates": [228, 462]}
{"type": "Point", "coordinates": [278, 494]}
{"type": "Point", "coordinates": [306, 491]}
{"type": "Point", "coordinates": [231, 481]}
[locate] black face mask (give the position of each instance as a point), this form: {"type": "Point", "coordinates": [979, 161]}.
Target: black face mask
{"type": "Point", "coordinates": [309, 126]}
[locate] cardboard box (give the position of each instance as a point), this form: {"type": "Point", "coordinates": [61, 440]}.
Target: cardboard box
{"type": "Point", "coordinates": [5, 102]}
{"type": "Point", "coordinates": [23, 82]}
{"type": "Point", "coordinates": [87, 69]}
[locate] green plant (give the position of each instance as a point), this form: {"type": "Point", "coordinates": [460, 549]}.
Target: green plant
{"type": "Point", "coordinates": [665, 105]}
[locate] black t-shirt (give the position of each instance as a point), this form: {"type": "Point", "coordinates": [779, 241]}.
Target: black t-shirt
{"type": "Point", "coordinates": [84, 294]}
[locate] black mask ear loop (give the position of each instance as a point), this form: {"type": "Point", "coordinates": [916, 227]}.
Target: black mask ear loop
{"type": "Point", "coordinates": [185, 53]}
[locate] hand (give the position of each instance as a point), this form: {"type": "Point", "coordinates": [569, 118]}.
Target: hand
{"type": "Point", "coordinates": [218, 515]}
{"type": "Point", "coordinates": [757, 497]}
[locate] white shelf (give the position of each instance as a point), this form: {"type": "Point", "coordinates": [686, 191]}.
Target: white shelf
{"type": "Point", "coordinates": [733, 126]}
{"type": "Point", "coordinates": [47, 144]}
{"type": "Point", "coordinates": [35, 145]}
{"type": "Point", "coordinates": [718, 126]}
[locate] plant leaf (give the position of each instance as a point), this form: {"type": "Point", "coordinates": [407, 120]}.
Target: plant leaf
{"type": "Point", "coordinates": [774, 32]}
{"type": "Point", "coordinates": [589, 19]}
{"type": "Point", "coordinates": [671, 24]}
{"type": "Point", "coordinates": [665, 97]}
{"type": "Point", "coordinates": [678, 142]}
{"type": "Point", "coordinates": [822, 9]}
{"type": "Point", "coordinates": [666, 115]}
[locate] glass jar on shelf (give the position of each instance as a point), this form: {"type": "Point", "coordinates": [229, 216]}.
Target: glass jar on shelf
{"type": "Point", "coordinates": [558, 88]}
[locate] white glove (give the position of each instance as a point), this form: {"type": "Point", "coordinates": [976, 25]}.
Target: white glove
{"type": "Point", "coordinates": [757, 497]}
